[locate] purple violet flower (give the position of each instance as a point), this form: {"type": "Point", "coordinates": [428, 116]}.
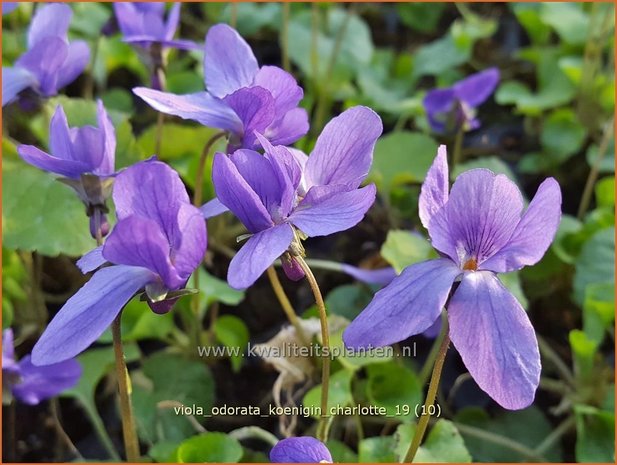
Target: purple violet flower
{"type": "Point", "coordinates": [480, 230]}
{"type": "Point", "coordinates": [144, 24]}
{"type": "Point", "coordinates": [31, 384]}
{"type": "Point", "coordinates": [51, 62]}
{"type": "Point", "coordinates": [454, 107]}
{"type": "Point", "coordinates": [282, 198]}
{"type": "Point", "coordinates": [303, 449]}
{"type": "Point", "coordinates": [159, 240]}
{"type": "Point", "coordinates": [84, 157]}
{"type": "Point", "coordinates": [241, 97]}
{"type": "Point", "coordinates": [8, 7]}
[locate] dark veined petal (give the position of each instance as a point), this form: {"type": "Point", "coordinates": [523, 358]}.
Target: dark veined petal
{"type": "Point", "coordinates": [140, 241]}
{"type": "Point", "coordinates": [434, 192]}
{"type": "Point", "coordinates": [229, 63]}
{"type": "Point", "coordinates": [38, 383]}
{"type": "Point", "coordinates": [479, 217]}
{"type": "Point", "coordinates": [343, 153]}
{"type": "Point", "coordinates": [493, 334]}
{"type": "Point", "coordinates": [89, 312]}
{"type": "Point", "coordinates": [329, 209]}
{"type": "Point", "coordinates": [259, 252]}
{"type": "Point", "coordinates": [534, 232]}
{"type": "Point", "coordinates": [304, 449]}
{"type": "Point", "coordinates": [409, 305]}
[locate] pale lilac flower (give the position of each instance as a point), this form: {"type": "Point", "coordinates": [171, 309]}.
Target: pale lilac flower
{"type": "Point", "coordinates": [159, 240]}
{"type": "Point", "coordinates": [303, 449]}
{"type": "Point", "coordinates": [51, 62]}
{"type": "Point", "coordinates": [480, 230]}
{"type": "Point", "coordinates": [31, 384]}
{"type": "Point", "coordinates": [241, 97]}
{"type": "Point", "coordinates": [282, 198]}
{"type": "Point", "coordinates": [8, 7]}
{"type": "Point", "coordinates": [453, 108]}
{"type": "Point", "coordinates": [84, 157]}
{"type": "Point", "coordinates": [144, 24]}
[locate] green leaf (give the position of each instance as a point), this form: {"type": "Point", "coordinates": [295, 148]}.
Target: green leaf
{"type": "Point", "coordinates": [383, 392]}
{"type": "Point", "coordinates": [440, 56]}
{"type": "Point", "coordinates": [339, 393]}
{"type": "Point", "coordinates": [139, 322]}
{"type": "Point", "coordinates": [595, 263]}
{"type": "Point", "coordinates": [584, 350]}
{"type": "Point", "coordinates": [607, 164]}
{"type": "Point", "coordinates": [341, 453]}
{"type": "Point", "coordinates": [41, 214]}
{"type": "Point", "coordinates": [354, 361]}
{"type": "Point", "coordinates": [348, 300]}
{"type": "Point", "coordinates": [89, 18]}
{"type": "Point", "coordinates": [528, 14]}
{"type": "Point", "coordinates": [528, 427]}
{"type": "Point", "coordinates": [605, 192]}
{"type": "Point", "coordinates": [595, 439]}
{"type": "Point", "coordinates": [562, 134]}
{"type": "Point", "coordinates": [378, 449]}
{"type": "Point", "coordinates": [568, 19]}
{"type": "Point", "coordinates": [209, 448]}
{"type": "Point", "coordinates": [232, 332]}
{"type": "Point", "coordinates": [402, 156]}
{"type": "Point", "coordinates": [403, 248]}
{"type": "Point", "coordinates": [598, 310]}
{"type": "Point", "coordinates": [442, 444]}
{"type": "Point", "coordinates": [175, 380]}
{"type": "Point", "coordinates": [422, 17]}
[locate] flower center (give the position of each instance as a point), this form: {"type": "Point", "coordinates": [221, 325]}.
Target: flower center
{"type": "Point", "coordinates": [471, 265]}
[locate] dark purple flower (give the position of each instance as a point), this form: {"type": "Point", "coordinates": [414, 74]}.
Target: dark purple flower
{"type": "Point", "coordinates": [144, 24]}
{"type": "Point", "coordinates": [241, 97]}
{"type": "Point", "coordinates": [282, 198]}
{"type": "Point", "coordinates": [480, 229]}
{"type": "Point", "coordinates": [31, 384]}
{"type": "Point", "coordinates": [84, 157]}
{"type": "Point", "coordinates": [51, 62]}
{"type": "Point", "coordinates": [159, 240]}
{"type": "Point", "coordinates": [303, 449]}
{"type": "Point", "coordinates": [454, 107]}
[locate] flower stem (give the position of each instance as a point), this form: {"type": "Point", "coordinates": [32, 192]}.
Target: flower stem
{"type": "Point", "coordinates": [131, 442]}
{"type": "Point", "coordinates": [277, 287]}
{"type": "Point", "coordinates": [322, 428]}
{"type": "Point", "coordinates": [457, 156]}
{"type": "Point", "coordinates": [430, 396]}
{"type": "Point", "coordinates": [203, 158]}
{"type": "Point", "coordinates": [432, 356]}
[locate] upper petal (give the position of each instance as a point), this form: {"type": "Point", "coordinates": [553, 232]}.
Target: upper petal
{"type": "Point", "coordinates": [173, 18]}
{"type": "Point", "coordinates": [77, 58]}
{"type": "Point", "coordinates": [44, 60]}
{"type": "Point", "coordinates": [493, 334]}
{"type": "Point", "coordinates": [288, 129]}
{"type": "Point", "coordinates": [190, 246]}
{"type": "Point", "coordinates": [409, 305]}
{"type": "Point", "coordinates": [434, 192]}
{"type": "Point", "coordinates": [479, 217]}
{"type": "Point", "coordinates": [237, 195]}
{"type": "Point", "coordinates": [109, 137]}
{"type": "Point", "coordinates": [49, 21]}
{"type": "Point", "coordinates": [92, 260]}
{"type": "Point", "coordinates": [38, 383]}
{"type": "Point", "coordinates": [476, 88]}
{"type": "Point", "coordinates": [437, 103]}
{"type": "Point", "coordinates": [343, 153]}
{"type": "Point", "coordinates": [304, 449]}
{"type": "Point", "coordinates": [8, 351]}
{"type": "Point", "coordinates": [139, 241]}
{"type": "Point", "coordinates": [213, 208]}
{"type": "Point", "coordinates": [88, 313]}
{"type": "Point", "coordinates": [382, 276]}
{"type": "Point", "coordinates": [259, 252]}
{"type": "Point", "coordinates": [229, 63]}
{"type": "Point", "coordinates": [60, 141]}
{"type": "Point", "coordinates": [534, 232]}
{"type": "Point", "coordinates": [200, 107]}
{"type": "Point", "coordinates": [282, 86]}
{"type": "Point", "coordinates": [89, 146]}
{"type": "Point", "coordinates": [329, 209]}
{"type": "Point", "coordinates": [14, 80]}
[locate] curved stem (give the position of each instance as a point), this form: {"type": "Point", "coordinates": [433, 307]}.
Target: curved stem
{"type": "Point", "coordinates": [322, 428]}
{"type": "Point", "coordinates": [430, 396]}
{"type": "Point", "coordinates": [547, 351]}
{"type": "Point", "coordinates": [432, 356]}
{"type": "Point", "coordinates": [199, 178]}
{"type": "Point", "coordinates": [254, 432]}
{"type": "Point", "coordinates": [555, 435]}
{"type": "Point", "coordinates": [129, 432]}
{"type": "Point", "coordinates": [457, 155]}
{"type": "Point", "coordinates": [277, 287]}
{"type": "Point", "coordinates": [595, 170]}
